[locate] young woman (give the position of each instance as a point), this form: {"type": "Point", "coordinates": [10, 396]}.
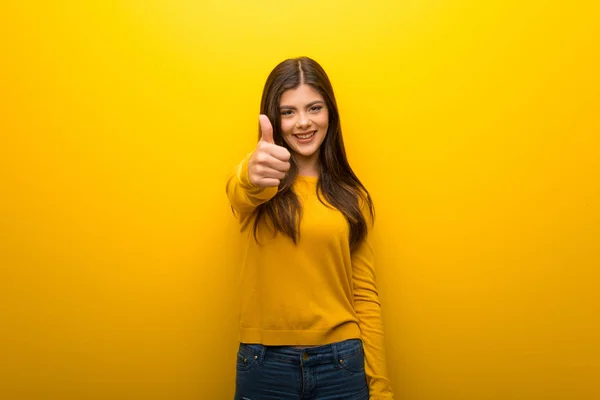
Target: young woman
{"type": "Point", "coordinates": [310, 322]}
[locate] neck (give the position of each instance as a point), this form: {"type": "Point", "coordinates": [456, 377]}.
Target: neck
{"type": "Point", "coordinates": [307, 166]}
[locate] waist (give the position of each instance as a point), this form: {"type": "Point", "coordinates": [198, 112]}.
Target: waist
{"type": "Point", "coordinates": [304, 355]}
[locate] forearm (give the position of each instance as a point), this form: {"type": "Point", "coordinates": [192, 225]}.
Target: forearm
{"type": "Point", "coordinates": [243, 195]}
{"type": "Point", "coordinates": [369, 320]}
{"type": "Point", "coordinates": [368, 312]}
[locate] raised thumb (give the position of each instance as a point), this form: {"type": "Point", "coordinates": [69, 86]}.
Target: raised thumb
{"type": "Point", "coordinates": [266, 129]}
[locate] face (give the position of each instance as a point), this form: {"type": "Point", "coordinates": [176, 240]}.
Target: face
{"type": "Point", "coordinates": [304, 121]}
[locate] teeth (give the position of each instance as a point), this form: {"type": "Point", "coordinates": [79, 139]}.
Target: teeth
{"type": "Point", "coordinates": [305, 136]}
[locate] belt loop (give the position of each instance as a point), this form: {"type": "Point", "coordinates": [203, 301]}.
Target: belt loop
{"type": "Point", "coordinates": [334, 351]}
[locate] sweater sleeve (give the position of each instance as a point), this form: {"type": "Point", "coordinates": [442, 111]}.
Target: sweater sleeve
{"type": "Point", "coordinates": [368, 311]}
{"type": "Point", "coordinates": [243, 195]}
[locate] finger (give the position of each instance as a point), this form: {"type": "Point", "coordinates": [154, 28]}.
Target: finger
{"type": "Point", "coordinates": [266, 129]}
{"type": "Point", "coordinates": [266, 171]}
{"type": "Point", "coordinates": [277, 164]}
{"type": "Point", "coordinates": [266, 153]}
{"type": "Point", "coordinates": [279, 152]}
{"type": "Point", "coordinates": [272, 173]}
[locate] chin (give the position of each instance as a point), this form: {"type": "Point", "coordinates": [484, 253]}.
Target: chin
{"type": "Point", "coordinates": [306, 152]}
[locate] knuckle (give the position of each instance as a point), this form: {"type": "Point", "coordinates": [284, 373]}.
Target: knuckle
{"type": "Point", "coordinates": [261, 157]}
{"type": "Point", "coordinates": [262, 146]}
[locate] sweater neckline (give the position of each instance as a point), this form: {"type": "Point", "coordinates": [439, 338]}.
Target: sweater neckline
{"type": "Point", "coordinates": [307, 178]}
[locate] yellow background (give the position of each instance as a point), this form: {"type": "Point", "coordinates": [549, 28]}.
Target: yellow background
{"type": "Point", "coordinates": [474, 124]}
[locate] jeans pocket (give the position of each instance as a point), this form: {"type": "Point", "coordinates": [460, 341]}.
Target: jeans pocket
{"type": "Point", "coordinates": [247, 357]}
{"type": "Point", "coordinates": [353, 362]}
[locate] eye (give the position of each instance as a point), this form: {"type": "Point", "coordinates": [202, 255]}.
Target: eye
{"type": "Point", "coordinates": [316, 108]}
{"type": "Point", "coordinates": [286, 113]}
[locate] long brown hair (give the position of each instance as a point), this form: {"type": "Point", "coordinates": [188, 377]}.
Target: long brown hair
{"type": "Point", "coordinates": [337, 183]}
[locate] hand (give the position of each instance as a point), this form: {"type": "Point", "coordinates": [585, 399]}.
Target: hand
{"type": "Point", "coordinates": [269, 163]}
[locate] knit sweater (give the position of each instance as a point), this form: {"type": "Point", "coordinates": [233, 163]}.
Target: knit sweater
{"type": "Point", "coordinates": [315, 292]}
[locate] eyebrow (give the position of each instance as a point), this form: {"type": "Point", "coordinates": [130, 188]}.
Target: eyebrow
{"type": "Point", "coordinates": [312, 103]}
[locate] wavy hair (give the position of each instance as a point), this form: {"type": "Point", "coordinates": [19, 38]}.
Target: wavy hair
{"type": "Point", "coordinates": [337, 183]}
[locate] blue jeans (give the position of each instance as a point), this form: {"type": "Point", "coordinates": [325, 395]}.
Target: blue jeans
{"type": "Point", "coordinates": [331, 372]}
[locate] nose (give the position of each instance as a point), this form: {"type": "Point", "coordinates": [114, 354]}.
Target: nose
{"type": "Point", "coordinates": [303, 121]}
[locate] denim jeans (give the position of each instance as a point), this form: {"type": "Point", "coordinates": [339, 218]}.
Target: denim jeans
{"type": "Point", "coordinates": [331, 372]}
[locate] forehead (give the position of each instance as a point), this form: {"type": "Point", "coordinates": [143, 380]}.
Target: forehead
{"type": "Point", "coordinates": [303, 94]}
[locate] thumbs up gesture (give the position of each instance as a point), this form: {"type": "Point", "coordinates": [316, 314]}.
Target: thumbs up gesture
{"type": "Point", "coordinates": [269, 163]}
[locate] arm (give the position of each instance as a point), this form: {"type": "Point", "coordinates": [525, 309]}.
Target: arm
{"type": "Point", "coordinates": [243, 195]}
{"type": "Point", "coordinates": [368, 311]}
{"type": "Point", "coordinates": [257, 177]}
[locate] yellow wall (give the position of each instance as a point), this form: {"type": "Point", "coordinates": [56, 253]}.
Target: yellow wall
{"type": "Point", "coordinates": [474, 124]}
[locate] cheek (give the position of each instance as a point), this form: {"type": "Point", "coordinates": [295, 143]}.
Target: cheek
{"type": "Point", "coordinates": [286, 127]}
{"type": "Point", "coordinates": [324, 119]}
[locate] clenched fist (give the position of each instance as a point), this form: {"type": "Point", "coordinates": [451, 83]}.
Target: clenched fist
{"type": "Point", "coordinates": [269, 163]}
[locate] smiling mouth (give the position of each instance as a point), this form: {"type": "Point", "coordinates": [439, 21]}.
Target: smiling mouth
{"type": "Point", "coordinates": [305, 135]}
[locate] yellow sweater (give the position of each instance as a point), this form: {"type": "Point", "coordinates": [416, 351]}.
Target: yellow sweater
{"type": "Point", "coordinates": [314, 292]}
